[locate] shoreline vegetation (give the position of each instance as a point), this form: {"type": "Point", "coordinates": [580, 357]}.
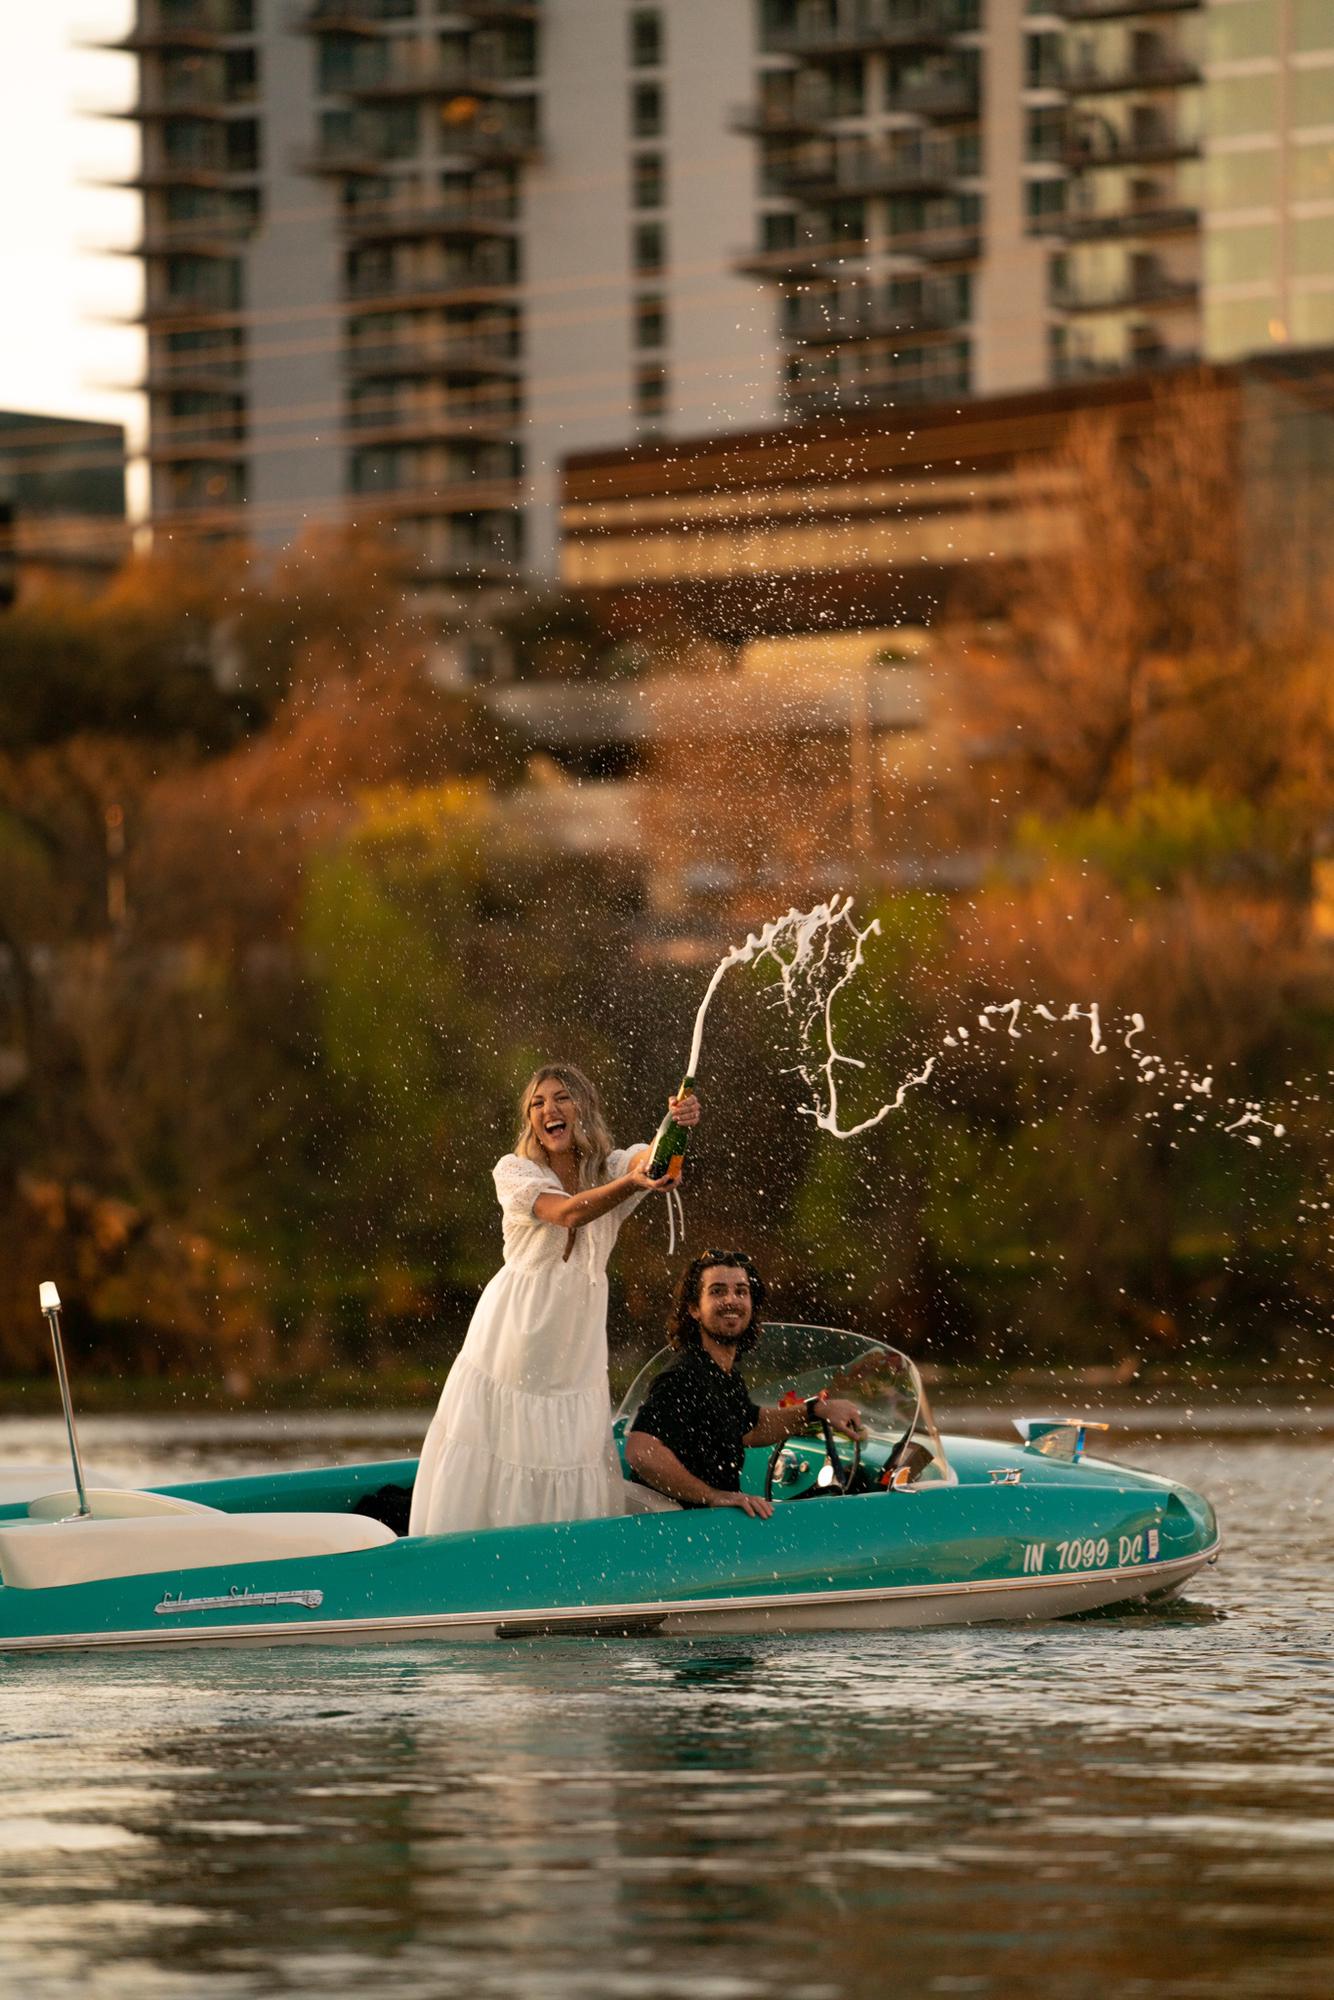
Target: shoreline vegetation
{"type": "Point", "coordinates": [413, 1392]}
{"type": "Point", "coordinates": [284, 922]}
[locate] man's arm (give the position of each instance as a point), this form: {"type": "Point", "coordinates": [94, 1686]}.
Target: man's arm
{"type": "Point", "coordinates": [658, 1466]}
{"type": "Point", "coordinates": [780, 1421]}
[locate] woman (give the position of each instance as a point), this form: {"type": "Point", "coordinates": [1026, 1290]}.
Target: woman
{"type": "Point", "coordinates": [523, 1429]}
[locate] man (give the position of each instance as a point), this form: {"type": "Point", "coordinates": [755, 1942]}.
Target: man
{"type": "Point", "coordinates": [690, 1437]}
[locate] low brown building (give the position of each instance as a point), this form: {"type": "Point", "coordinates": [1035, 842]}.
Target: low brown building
{"type": "Point", "coordinates": [62, 502]}
{"type": "Point", "coordinates": [874, 520]}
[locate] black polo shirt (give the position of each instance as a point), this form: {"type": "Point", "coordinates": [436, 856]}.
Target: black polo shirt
{"type": "Point", "coordinates": [701, 1412]}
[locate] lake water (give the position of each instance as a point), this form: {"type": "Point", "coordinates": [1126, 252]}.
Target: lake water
{"type": "Point", "coordinates": [1120, 1806]}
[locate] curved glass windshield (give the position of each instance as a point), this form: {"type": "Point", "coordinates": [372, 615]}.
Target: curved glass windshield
{"type": "Point", "coordinates": [799, 1361]}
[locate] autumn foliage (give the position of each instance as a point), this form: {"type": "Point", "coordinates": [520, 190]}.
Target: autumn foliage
{"type": "Point", "coordinates": [283, 921]}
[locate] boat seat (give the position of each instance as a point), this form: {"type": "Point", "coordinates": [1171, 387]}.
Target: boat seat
{"type": "Point", "coordinates": [20, 1483]}
{"type": "Point", "coordinates": [112, 1503]}
{"type": "Point", "coordinates": [43, 1555]}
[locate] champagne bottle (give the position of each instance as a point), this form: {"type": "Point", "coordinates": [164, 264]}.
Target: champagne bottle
{"type": "Point", "coordinates": [670, 1142]}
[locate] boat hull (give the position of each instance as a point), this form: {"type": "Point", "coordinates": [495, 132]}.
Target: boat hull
{"type": "Point", "coordinates": [901, 1608]}
{"type": "Point", "coordinates": [1062, 1540]}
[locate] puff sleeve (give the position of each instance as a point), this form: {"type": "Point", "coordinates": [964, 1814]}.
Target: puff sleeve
{"type": "Point", "coordinates": [518, 1184]}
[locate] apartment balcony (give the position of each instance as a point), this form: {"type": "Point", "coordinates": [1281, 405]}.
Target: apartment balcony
{"type": "Point", "coordinates": [1158, 69]}
{"type": "Point", "coordinates": [431, 75]}
{"type": "Point", "coordinates": [1154, 290]}
{"type": "Point", "coordinates": [485, 425]}
{"type": "Point", "coordinates": [943, 97]}
{"type": "Point", "coordinates": [499, 10]}
{"type": "Point", "coordinates": [870, 170]}
{"type": "Point", "coordinates": [874, 25]}
{"type": "Point", "coordinates": [196, 99]}
{"type": "Point", "coordinates": [372, 291]}
{"type": "Point", "coordinates": [797, 260]}
{"type": "Point", "coordinates": [785, 118]}
{"type": "Point", "coordinates": [1119, 10]}
{"type": "Point", "coordinates": [881, 315]}
{"type": "Point", "coordinates": [204, 25]}
{"type": "Point", "coordinates": [401, 222]}
{"type": "Point", "coordinates": [200, 449]}
{"type": "Point", "coordinates": [474, 358]}
{"type": "Point", "coordinates": [957, 243]}
{"type": "Point", "coordinates": [452, 498]}
{"type": "Point", "coordinates": [495, 136]}
{"type": "Point", "coordinates": [1138, 361]}
{"type": "Point", "coordinates": [210, 377]}
{"type": "Point", "coordinates": [205, 169]}
{"type": "Point", "coordinates": [873, 391]}
{"type": "Point", "coordinates": [203, 236]}
{"type": "Point", "coordinates": [1088, 226]}
{"type": "Point", "coordinates": [342, 17]}
{"type": "Point", "coordinates": [1156, 145]}
{"type": "Point", "coordinates": [165, 312]}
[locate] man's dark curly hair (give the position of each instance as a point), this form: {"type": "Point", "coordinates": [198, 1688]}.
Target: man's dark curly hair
{"type": "Point", "coordinates": [683, 1327]}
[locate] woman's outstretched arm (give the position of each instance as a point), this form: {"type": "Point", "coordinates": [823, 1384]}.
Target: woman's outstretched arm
{"type": "Point", "coordinates": [572, 1211]}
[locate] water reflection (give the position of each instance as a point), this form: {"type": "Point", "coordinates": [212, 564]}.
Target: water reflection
{"type": "Point", "coordinates": [1132, 1805]}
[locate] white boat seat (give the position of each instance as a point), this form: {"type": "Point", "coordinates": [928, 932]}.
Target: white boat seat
{"type": "Point", "coordinates": [112, 1503]}
{"type": "Point", "coordinates": [42, 1555]}
{"type": "Point", "coordinates": [20, 1482]}
{"type": "Point", "coordinates": [647, 1500]}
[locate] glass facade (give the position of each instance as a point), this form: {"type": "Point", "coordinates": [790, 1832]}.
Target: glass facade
{"type": "Point", "coordinates": [1269, 225]}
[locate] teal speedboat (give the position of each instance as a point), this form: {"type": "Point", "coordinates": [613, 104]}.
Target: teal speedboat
{"type": "Point", "coordinates": [909, 1529]}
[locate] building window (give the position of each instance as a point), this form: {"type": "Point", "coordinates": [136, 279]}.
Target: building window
{"type": "Point", "coordinates": [1240, 105]}
{"type": "Point", "coordinates": [1042, 61]}
{"type": "Point", "coordinates": [651, 390]}
{"type": "Point", "coordinates": [646, 116]}
{"type": "Point", "coordinates": [1241, 256]}
{"type": "Point", "coordinates": [242, 145]}
{"type": "Point", "coordinates": [650, 246]}
{"type": "Point", "coordinates": [1046, 133]}
{"type": "Point", "coordinates": [1249, 179]}
{"type": "Point", "coordinates": [649, 181]}
{"type": "Point", "coordinates": [1247, 28]}
{"type": "Point", "coordinates": [646, 38]}
{"type": "Point", "coordinates": [1043, 198]}
{"type": "Point", "coordinates": [1313, 94]}
{"type": "Point", "coordinates": [650, 320]}
{"type": "Point", "coordinates": [241, 71]}
{"type": "Point", "coordinates": [1312, 27]}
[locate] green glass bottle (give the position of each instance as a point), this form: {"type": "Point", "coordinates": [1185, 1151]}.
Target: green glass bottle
{"type": "Point", "coordinates": [670, 1142]}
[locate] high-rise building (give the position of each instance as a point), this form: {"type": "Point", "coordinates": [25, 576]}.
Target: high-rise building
{"type": "Point", "coordinates": [963, 197]}
{"type": "Point", "coordinates": [404, 256]}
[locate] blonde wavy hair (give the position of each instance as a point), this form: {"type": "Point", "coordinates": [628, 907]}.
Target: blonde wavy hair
{"type": "Point", "coordinates": [592, 1140]}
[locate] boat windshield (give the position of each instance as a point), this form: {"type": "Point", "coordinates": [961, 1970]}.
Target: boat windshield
{"type": "Point", "coordinates": [799, 1361]}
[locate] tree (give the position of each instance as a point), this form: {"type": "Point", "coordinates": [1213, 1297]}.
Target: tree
{"type": "Point", "coordinates": [1144, 640]}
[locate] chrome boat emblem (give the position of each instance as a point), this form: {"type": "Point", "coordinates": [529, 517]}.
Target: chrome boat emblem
{"type": "Point", "coordinates": [310, 1599]}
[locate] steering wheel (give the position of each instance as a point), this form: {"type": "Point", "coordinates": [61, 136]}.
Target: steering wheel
{"type": "Point", "coordinates": [842, 1480]}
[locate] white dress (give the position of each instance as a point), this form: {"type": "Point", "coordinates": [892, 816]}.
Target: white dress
{"type": "Point", "coordinates": [523, 1428]}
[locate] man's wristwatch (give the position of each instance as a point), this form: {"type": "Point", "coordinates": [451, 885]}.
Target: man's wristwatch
{"type": "Point", "coordinates": [812, 1405]}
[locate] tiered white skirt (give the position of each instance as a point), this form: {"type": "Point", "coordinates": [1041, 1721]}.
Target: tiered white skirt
{"type": "Point", "coordinates": [507, 1447]}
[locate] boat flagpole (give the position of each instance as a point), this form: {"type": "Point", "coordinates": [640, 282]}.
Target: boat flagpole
{"type": "Point", "coordinates": [50, 1300]}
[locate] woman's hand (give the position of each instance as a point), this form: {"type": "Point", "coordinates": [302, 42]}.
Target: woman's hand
{"type": "Point", "coordinates": [638, 1175]}
{"type": "Point", "coordinates": [685, 1110]}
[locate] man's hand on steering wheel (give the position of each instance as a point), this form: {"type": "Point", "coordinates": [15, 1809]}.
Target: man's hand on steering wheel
{"type": "Point", "coordinates": [842, 1415]}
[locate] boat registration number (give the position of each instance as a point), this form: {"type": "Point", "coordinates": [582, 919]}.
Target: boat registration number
{"type": "Point", "coordinates": [1124, 1551]}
